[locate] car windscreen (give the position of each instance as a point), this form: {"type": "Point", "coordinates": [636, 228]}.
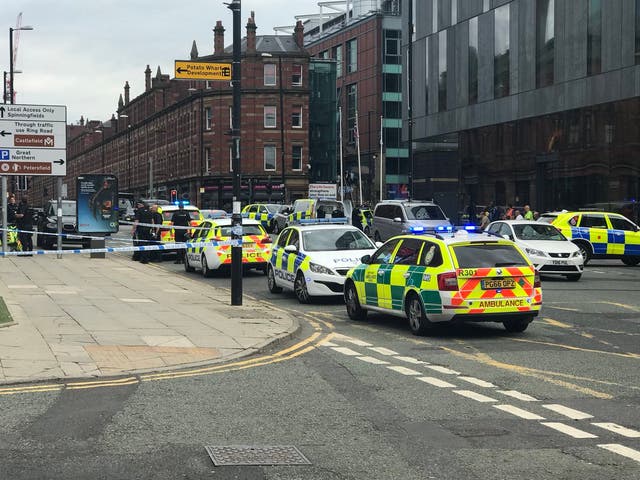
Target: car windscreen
{"type": "Point", "coordinates": [68, 209]}
{"type": "Point", "coordinates": [273, 208]}
{"type": "Point", "coordinates": [547, 218]}
{"type": "Point", "coordinates": [246, 230]}
{"type": "Point", "coordinates": [488, 255]}
{"type": "Point", "coordinates": [335, 239]}
{"type": "Point", "coordinates": [424, 212]}
{"type": "Point", "coordinates": [538, 231]}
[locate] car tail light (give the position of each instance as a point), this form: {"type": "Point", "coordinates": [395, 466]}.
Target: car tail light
{"type": "Point", "coordinates": [266, 239]}
{"type": "Point", "coordinates": [536, 281]}
{"type": "Point", "coordinates": [448, 281]}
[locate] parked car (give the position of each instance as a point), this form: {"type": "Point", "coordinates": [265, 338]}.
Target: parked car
{"type": "Point", "coordinates": [48, 225]}
{"type": "Point", "coordinates": [281, 218]}
{"type": "Point", "coordinates": [399, 217]}
{"type": "Point", "coordinates": [214, 214]}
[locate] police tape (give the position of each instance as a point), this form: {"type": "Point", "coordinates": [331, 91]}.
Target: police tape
{"type": "Point", "coordinates": [163, 226]}
{"type": "Point", "coordinates": [68, 236]}
{"type": "Point", "coordinates": [146, 248]}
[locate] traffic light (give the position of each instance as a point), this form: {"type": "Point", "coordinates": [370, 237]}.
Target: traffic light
{"type": "Point", "coordinates": [174, 195]}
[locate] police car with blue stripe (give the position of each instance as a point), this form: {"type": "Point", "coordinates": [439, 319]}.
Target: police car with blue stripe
{"type": "Point", "coordinates": [312, 258]}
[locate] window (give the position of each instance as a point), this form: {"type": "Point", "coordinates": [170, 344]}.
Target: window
{"type": "Point", "coordinates": [392, 47]}
{"type": "Point", "coordinates": [324, 55]}
{"type": "Point", "coordinates": [352, 106]}
{"type": "Point", "coordinates": [231, 118]}
{"type": "Point", "coordinates": [383, 255]}
{"type": "Point", "coordinates": [486, 5]}
{"type": "Point", "coordinates": [594, 37]}
{"type": "Point", "coordinates": [637, 32]}
{"type": "Point", "coordinates": [434, 16]}
{"type": "Point", "coordinates": [207, 118]}
{"type": "Point", "coordinates": [545, 38]}
{"type": "Point", "coordinates": [231, 158]}
{"type": "Point", "coordinates": [269, 157]}
{"type": "Point", "coordinates": [296, 117]}
{"type": "Point", "coordinates": [426, 75]}
{"type": "Point", "coordinates": [269, 117]}
{"type": "Point", "coordinates": [473, 60]}
{"type": "Point", "coordinates": [391, 82]}
{"type": "Point", "coordinates": [296, 157]}
{"type": "Point", "coordinates": [269, 73]}
{"type": "Point", "coordinates": [392, 109]}
{"type": "Point", "coordinates": [454, 12]}
{"type": "Point", "coordinates": [431, 256]}
{"type": "Point", "coordinates": [593, 221]}
{"type": "Point", "coordinates": [337, 56]}
{"type": "Point", "coordinates": [621, 223]}
{"type": "Point", "coordinates": [207, 160]}
{"type": "Point", "coordinates": [442, 70]}
{"type": "Point", "coordinates": [501, 52]}
{"type": "Point", "coordinates": [408, 252]}
{"type": "Point", "coordinates": [296, 76]}
{"type": "Point", "coordinates": [352, 55]}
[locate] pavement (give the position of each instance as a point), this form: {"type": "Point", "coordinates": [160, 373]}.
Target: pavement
{"type": "Point", "coordinates": [79, 317]}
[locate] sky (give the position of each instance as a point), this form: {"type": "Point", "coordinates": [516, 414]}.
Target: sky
{"type": "Point", "coordinates": [80, 53]}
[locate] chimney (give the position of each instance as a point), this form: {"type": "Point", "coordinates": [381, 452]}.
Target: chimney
{"type": "Point", "coordinates": [194, 51]}
{"type": "Point", "coordinates": [147, 79]}
{"type": "Point", "coordinates": [299, 34]}
{"type": "Point", "coordinates": [120, 103]}
{"type": "Point", "coordinates": [126, 93]}
{"type": "Point", "coordinates": [218, 38]}
{"type": "Point", "coordinates": [251, 34]}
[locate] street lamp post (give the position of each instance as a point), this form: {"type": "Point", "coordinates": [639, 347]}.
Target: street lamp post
{"type": "Point", "coordinates": [11, 72]}
{"type": "Point", "coordinates": [6, 95]}
{"type": "Point", "coordinates": [201, 138]}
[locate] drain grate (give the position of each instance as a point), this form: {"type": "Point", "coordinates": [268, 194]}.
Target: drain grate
{"type": "Point", "coordinates": [252, 455]}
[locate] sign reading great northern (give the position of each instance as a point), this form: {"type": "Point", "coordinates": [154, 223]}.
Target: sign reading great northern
{"type": "Point", "coordinates": [188, 70]}
{"type": "Point", "coordinates": [33, 140]}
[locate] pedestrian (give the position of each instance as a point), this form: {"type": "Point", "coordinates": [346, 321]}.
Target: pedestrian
{"type": "Point", "coordinates": [142, 230]}
{"type": "Point", "coordinates": [12, 210]}
{"type": "Point", "coordinates": [517, 215]}
{"type": "Point", "coordinates": [180, 218]}
{"type": "Point", "coordinates": [356, 218]}
{"type": "Point", "coordinates": [509, 214]}
{"type": "Point", "coordinates": [528, 214]}
{"type": "Point", "coordinates": [472, 215]}
{"type": "Point", "coordinates": [536, 215]}
{"type": "Point", "coordinates": [484, 220]}
{"type": "Point", "coordinates": [156, 237]}
{"type": "Point", "coordinates": [24, 222]}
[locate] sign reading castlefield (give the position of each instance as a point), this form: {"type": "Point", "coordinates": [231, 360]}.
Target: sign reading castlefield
{"type": "Point", "coordinates": [33, 139]}
{"type": "Point", "coordinates": [188, 70]}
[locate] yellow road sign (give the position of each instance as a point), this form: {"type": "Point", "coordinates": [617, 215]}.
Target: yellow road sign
{"type": "Point", "coordinates": [202, 70]}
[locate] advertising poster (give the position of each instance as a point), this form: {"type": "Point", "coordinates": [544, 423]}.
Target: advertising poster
{"type": "Point", "coordinates": [97, 203]}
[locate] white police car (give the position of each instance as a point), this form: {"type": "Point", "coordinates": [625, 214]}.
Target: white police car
{"type": "Point", "coordinates": [312, 259]}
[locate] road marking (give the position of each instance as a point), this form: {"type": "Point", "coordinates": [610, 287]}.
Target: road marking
{"type": "Point", "coordinates": [566, 429]}
{"type": "Point", "coordinates": [374, 360]}
{"type": "Point", "coordinates": [478, 382]}
{"type": "Point", "coordinates": [346, 351]}
{"type": "Point", "coordinates": [355, 341]}
{"type": "Point", "coordinates": [444, 370]}
{"type": "Point", "coordinates": [478, 397]}
{"type": "Point", "coordinates": [622, 450]}
{"type": "Point", "coordinates": [136, 300]}
{"type": "Point", "coordinates": [619, 429]}
{"type": "Point", "coordinates": [570, 347]}
{"type": "Point", "coordinates": [567, 412]}
{"type": "Point", "coordinates": [61, 292]}
{"type": "Point", "coordinates": [327, 343]}
{"type": "Point", "coordinates": [563, 308]}
{"type": "Point", "coordinates": [383, 351]}
{"type": "Point", "coordinates": [520, 396]}
{"type": "Point", "coordinates": [22, 286]}
{"type": "Point", "coordinates": [415, 361]}
{"type": "Point", "coordinates": [436, 382]}
{"type": "Point", "coordinates": [404, 370]}
{"type": "Point", "coordinates": [621, 305]}
{"type": "Point", "coordinates": [518, 412]}
{"type": "Point", "coordinates": [556, 323]}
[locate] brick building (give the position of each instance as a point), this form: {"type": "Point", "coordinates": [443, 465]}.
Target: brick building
{"type": "Point", "coordinates": [176, 134]}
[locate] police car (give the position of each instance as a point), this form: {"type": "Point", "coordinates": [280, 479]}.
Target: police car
{"type": "Point", "coordinates": [256, 247]}
{"type": "Point", "coordinates": [601, 235]}
{"type": "Point", "coordinates": [264, 213]}
{"type": "Point", "coordinates": [312, 259]}
{"type": "Point", "coordinates": [167, 234]}
{"type": "Point", "coordinates": [445, 277]}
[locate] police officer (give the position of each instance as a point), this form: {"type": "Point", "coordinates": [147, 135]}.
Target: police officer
{"type": "Point", "coordinates": [156, 220]}
{"type": "Point", "coordinates": [142, 230]}
{"type": "Point", "coordinates": [180, 218]}
{"type": "Point", "coordinates": [12, 210]}
{"type": "Point", "coordinates": [24, 221]}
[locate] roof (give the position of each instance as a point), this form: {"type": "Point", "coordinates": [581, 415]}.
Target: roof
{"type": "Point", "coordinates": [225, 222]}
{"type": "Point", "coordinates": [460, 236]}
{"type": "Point", "coordinates": [323, 226]}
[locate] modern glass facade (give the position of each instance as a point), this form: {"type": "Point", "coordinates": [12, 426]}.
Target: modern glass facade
{"type": "Point", "coordinates": [545, 42]}
{"type": "Point", "coordinates": [594, 37]}
{"type": "Point", "coordinates": [323, 124]}
{"type": "Point", "coordinates": [501, 52]}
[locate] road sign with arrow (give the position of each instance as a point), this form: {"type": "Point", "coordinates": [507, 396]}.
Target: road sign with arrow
{"type": "Point", "coordinates": [33, 140]}
{"type": "Point", "coordinates": [188, 70]}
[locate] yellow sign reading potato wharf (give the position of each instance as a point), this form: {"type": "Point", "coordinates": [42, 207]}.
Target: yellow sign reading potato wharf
{"type": "Point", "coordinates": [202, 70]}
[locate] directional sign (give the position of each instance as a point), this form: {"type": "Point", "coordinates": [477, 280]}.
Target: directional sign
{"type": "Point", "coordinates": [187, 70]}
{"type": "Point", "coordinates": [33, 140]}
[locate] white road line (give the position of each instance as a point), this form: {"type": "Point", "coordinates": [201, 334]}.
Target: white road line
{"type": "Point", "coordinates": [619, 429]}
{"type": "Point", "coordinates": [404, 370]}
{"type": "Point", "coordinates": [478, 382]}
{"type": "Point", "coordinates": [445, 370]}
{"type": "Point", "coordinates": [346, 351]}
{"type": "Point", "coordinates": [22, 286]}
{"type": "Point", "coordinates": [568, 412]}
{"type": "Point", "coordinates": [383, 351]}
{"type": "Point", "coordinates": [622, 450]}
{"type": "Point", "coordinates": [567, 430]}
{"type": "Point", "coordinates": [520, 396]}
{"type": "Point", "coordinates": [415, 361]}
{"type": "Point", "coordinates": [478, 397]}
{"type": "Point", "coordinates": [518, 412]}
{"type": "Point", "coordinates": [373, 360]}
{"type": "Point", "coordinates": [355, 341]}
{"type": "Point", "coordinates": [327, 343]}
{"type": "Point", "coordinates": [136, 300]}
{"type": "Point", "coordinates": [436, 382]}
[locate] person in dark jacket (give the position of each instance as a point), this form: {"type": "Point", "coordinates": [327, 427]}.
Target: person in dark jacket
{"type": "Point", "coordinates": [156, 231]}
{"type": "Point", "coordinates": [12, 210]}
{"type": "Point", "coordinates": [24, 221]}
{"type": "Point", "coordinates": [142, 230]}
{"type": "Point", "coordinates": [180, 218]}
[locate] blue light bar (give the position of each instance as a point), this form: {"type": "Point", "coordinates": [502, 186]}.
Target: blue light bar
{"type": "Point", "coordinates": [316, 221]}
{"type": "Point", "coordinates": [181, 202]}
{"type": "Point", "coordinates": [417, 229]}
{"type": "Point", "coordinates": [444, 228]}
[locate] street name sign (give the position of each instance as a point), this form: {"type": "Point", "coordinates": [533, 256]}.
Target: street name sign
{"type": "Point", "coordinates": [33, 140]}
{"type": "Point", "coordinates": [187, 70]}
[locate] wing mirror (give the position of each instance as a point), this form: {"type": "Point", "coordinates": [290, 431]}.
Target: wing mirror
{"type": "Point", "coordinates": [291, 249]}
{"type": "Point", "coordinates": [366, 259]}
{"type": "Point", "coordinates": [397, 220]}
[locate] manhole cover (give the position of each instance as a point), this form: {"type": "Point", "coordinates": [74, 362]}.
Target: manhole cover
{"type": "Point", "coordinates": [248, 455]}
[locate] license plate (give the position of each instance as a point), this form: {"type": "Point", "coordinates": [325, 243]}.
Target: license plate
{"type": "Point", "coordinates": [559, 262]}
{"type": "Point", "coordinates": [493, 284]}
{"type": "Point", "coordinates": [248, 244]}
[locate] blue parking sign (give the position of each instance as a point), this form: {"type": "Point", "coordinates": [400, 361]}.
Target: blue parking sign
{"type": "Point", "coordinates": [4, 154]}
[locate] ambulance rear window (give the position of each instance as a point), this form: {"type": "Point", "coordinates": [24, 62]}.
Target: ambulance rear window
{"type": "Point", "coordinates": [488, 255]}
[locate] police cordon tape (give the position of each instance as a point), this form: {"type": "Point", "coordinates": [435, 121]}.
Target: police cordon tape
{"type": "Point", "coordinates": [147, 248]}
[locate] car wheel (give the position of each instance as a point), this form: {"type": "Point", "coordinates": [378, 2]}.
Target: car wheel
{"type": "Point", "coordinates": [631, 261]}
{"type": "Point", "coordinates": [585, 251]}
{"type": "Point", "coordinates": [206, 271]}
{"type": "Point", "coordinates": [376, 237]}
{"type": "Point", "coordinates": [300, 289]}
{"type": "Point", "coordinates": [516, 326]}
{"type": "Point", "coordinates": [354, 310]}
{"type": "Point", "coordinates": [418, 322]}
{"type": "Point", "coordinates": [271, 281]}
{"type": "Point", "coordinates": [187, 267]}
{"type": "Point", "coordinates": [574, 277]}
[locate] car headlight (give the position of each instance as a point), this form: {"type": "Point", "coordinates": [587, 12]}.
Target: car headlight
{"type": "Point", "coordinates": [533, 251]}
{"type": "Point", "coordinates": [576, 254]}
{"type": "Point", "coordinates": [52, 225]}
{"type": "Point", "coordinates": [315, 268]}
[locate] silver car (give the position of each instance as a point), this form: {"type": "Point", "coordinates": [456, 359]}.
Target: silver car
{"type": "Point", "coordinates": [398, 217]}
